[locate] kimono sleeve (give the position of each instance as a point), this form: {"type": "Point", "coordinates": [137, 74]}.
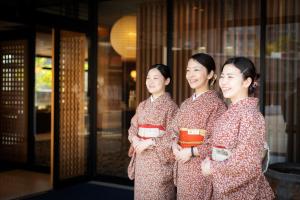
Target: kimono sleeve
{"type": "Point", "coordinates": [205, 148]}
{"type": "Point", "coordinates": [133, 129]}
{"type": "Point", "coordinates": [172, 125]}
{"type": "Point", "coordinates": [163, 144]}
{"type": "Point", "coordinates": [244, 163]}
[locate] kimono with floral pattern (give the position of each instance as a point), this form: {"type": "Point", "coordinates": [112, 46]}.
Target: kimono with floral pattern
{"type": "Point", "coordinates": [241, 131]}
{"type": "Point", "coordinates": [152, 169]}
{"type": "Point", "coordinates": [200, 113]}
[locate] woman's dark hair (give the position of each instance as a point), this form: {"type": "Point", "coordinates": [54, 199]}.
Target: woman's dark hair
{"type": "Point", "coordinates": [247, 68]}
{"type": "Point", "coordinates": [163, 69]}
{"type": "Point", "coordinates": [208, 62]}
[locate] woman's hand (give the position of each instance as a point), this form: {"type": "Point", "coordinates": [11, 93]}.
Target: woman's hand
{"type": "Point", "coordinates": [135, 141]}
{"type": "Point", "coordinates": [143, 145]}
{"type": "Point", "coordinates": [205, 167]}
{"type": "Point", "coordinates": [176, 148]}
{"type": "Point", "coordinates": [184, 155]}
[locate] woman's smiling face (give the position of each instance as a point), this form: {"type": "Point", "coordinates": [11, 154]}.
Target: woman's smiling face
{"type": "Point", "coordinates": [197, 76]}
{"type": "Point", "coordinates": [232, 83]}
{"type": "Point", "coordinates": [156, 82]}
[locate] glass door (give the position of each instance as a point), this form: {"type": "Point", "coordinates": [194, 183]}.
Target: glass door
{"type": "Point", "coordinates": [69, 106]}
{"type": "Point", "coordinates": [131, 38]}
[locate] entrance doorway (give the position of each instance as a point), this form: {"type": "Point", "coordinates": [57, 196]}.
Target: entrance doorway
{"type": "Point", "coordinates": [43, 108]}
{"type": "Point", "coordinates": [20, 173]}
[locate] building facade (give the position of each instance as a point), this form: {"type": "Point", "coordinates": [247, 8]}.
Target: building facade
{"type": "Point", "coordinates": [73, 72]}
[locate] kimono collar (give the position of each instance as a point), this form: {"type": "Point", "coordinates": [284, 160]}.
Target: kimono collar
{"type": "Point", "coordinates": [195, 96]}
{"type": "Point", "coordinates": [161, 97]}
{"type": "Point", "coordinates": [249, 102]}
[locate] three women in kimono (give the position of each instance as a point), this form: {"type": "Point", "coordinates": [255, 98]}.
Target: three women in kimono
{"type": "Point", "coordinates": [192, 127]}
{"type": "Point", "coordinates": [218, 153]}
{"type": "Point", "coordinates": [238, 138]}
{"type": "Point", "coordinates": [152, 162]}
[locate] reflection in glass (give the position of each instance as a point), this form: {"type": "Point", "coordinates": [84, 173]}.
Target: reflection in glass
{"type": "Point", "coordinates": [222, 29]}
{"type": "Point", "coordinates": [43, 92]}
{"type": "Point", "coordinates": [128, 43]}
{"type": "Point", "coordinates": [283, 80]}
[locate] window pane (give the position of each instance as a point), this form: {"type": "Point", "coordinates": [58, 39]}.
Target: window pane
{"type": "Point", "coordinates": [130, 39]}
{"type": "Point", "coordinates": [43, 92]}
{"type": "Point", "coordinates": [283, 80]}
{"type": "Point", "coordinates": [220, 28]}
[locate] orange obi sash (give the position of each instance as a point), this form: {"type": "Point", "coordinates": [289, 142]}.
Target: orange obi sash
{"type": "Point", "coordinates": [147, 131]}
{"type": "Point", "coordinates": [191, 137]}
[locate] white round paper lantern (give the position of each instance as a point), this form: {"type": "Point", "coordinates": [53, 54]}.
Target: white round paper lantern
{"type": "Point", "coordinates": [123, 37]}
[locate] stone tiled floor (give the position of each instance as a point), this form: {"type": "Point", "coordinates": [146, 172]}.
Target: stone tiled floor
{"type": "Point", "coordinates": [112, 148]}
{"type": "Point", "coordinates": [112, 158]}
{"type": "Point", "coordinates": [17, 183]}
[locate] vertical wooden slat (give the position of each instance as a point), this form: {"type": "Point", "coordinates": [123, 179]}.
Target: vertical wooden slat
{"type": "Point", "coordinates": [236, 21]}
{"type": "Point", "coordinates": [296, 72]}
{"type": "Point", "coordinates": [218, 35]}
{"type": "Point", "coordinates": [150, 41]}
{"type": "Point", "coordinates": [290, 86]}
{"type": "Point", "coordinates": [245, 32]}
{"type": "Point", "coordinates": [139, 54]}
{"type": "Point", "coordinates": [158, 43]}
{"type": "Point", "coordinates": [153, 29]}
{"type": "Point", "coordinates": [269, 36]}
{"type": "Point", "coordinates": [180, 46]}
{"type": "Point", "coordinates": [194, 9]}
{"type": "Point", "coordinates": [209, 21]}
{"type": "Point", "coordinates": [186, 45]}
{"type": "Point", "coordinates": [224, 31]}
{"type": "Point", "coordinates": [198, 25]}
{"type": "Point", "coordinates": [221, 41]}
{"type": "Point", "coordinates": [272, 61]}
{"type": "Point", "coordinates": [205, 26]}
{"type": "Point", "coordinates": [175, 52]}
{"type": "Point", "coordinates": [254, 22]}
{"type": "Point", "coordinates": [145, 43]}
{"type": "Point", "coordinates": [231, 29]}
{"type": "Point", "coordinates": [166, 46]}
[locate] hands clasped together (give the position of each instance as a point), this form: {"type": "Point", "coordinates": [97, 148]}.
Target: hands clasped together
{"type": "Point", "coordinates": [141, 145]}
{"type": "Point", "coordinates": [181, 154]}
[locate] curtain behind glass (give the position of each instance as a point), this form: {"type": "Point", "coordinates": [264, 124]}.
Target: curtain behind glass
{"type": "Point", "coordinates": [283, 79]}
{"type": "Point", "coordinates": [220, 28]}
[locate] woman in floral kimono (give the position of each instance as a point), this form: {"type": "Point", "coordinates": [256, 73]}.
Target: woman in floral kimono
{"type": "Point", "coordinates": [238, 138]}
{"type": "Point", "coordinates": [151, 165]}
{"type": "Point", "coordinates": [192, 129]}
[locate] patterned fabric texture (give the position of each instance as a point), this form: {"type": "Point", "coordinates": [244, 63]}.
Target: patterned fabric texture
{"type": "Point", "coordinates": [241, 130]}
{"type": "Point", "coordinates": [200, 113]}
{"type": "Point", "coordinates": [152, 170]}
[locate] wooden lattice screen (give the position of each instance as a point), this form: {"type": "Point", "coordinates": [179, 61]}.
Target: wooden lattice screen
{"type": "Point", "coordinates": [72, 150]}
{"type": "Point", "coordinates": [151, 41]}
{"type": "Point", "coordinates": [211, 27]}
{"type": "Point", "coordinates": [13, 101]}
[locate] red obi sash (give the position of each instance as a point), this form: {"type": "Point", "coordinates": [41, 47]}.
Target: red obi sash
{"type": "Point", "coordinates": [147, 131]}
{"type": "Point", "coordinates": [191, 137]}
